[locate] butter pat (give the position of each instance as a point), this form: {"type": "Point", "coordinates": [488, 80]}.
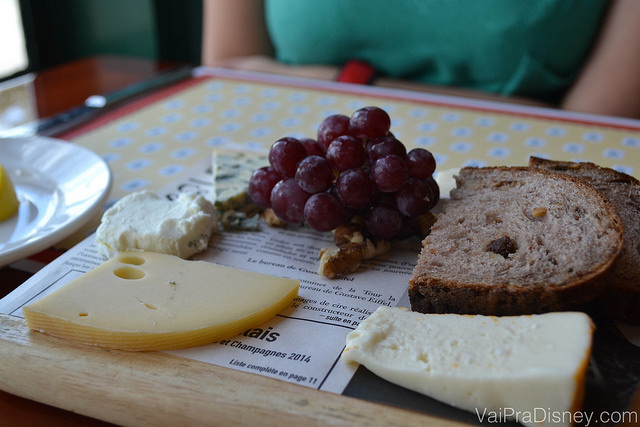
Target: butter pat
{"type": "Point", "coordinates": [149, 301]}
{"type": "Point", "coordinates": [519, 365]}
{"type": "Point", "coordinates": [145, 221]}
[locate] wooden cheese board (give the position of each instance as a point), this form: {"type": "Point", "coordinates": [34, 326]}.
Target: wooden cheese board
{"type": "Point", "coordinates": [158, 389]}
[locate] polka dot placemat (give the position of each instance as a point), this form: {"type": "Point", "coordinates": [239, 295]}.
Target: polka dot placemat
{"type": "Point", "coordinates": [150, 147]}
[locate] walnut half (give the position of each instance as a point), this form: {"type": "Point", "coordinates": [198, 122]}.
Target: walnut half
{"type": "Point", "coordinates": [336, 261]}
{"type": "Point", "coordinates": [350, 249]}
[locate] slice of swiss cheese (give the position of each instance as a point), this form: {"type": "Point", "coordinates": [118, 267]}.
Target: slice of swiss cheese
{"type": "Point", "coordinates": [530, 369]}
{"type": "Point", "coordinates": [150, 301]}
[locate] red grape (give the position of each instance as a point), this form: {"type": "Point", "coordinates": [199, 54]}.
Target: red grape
{"type": "Point", "coordinates": [369, 122]}
{"type": "Point", "coordinates": [261, 184]}
{"type": "Point", "coordinates": [348, 213]}
{"type": "Point", "coordinates": [288, 200]}
{"type": "Point", "coordinates": [383, 146]}
{"type": "Point", "coordinates": [312, 146]}
{"type": "Point", "coordinates": [346, 152]}
{"type": "Point", "coordinates": [410, 227]}
{"type": "Point", "coordinates": [383, 221]}
{"type": "Point", "coordinates": [414, 198]}
{"type": "Point", "coordinates": [330, 128]}
{"type": "Point", "coordinates": [285, 154]}
{"type": "Point", "coordinates": [323, 212]}
{"type": "Point", "coordinates": [314, 174]}
{"type": "Point", "coordinates": [435, 189]}
{"type": "Point", "coordinates": [356, 168]}
{"type": "Point", "coordinates": [354, 188]}
{"type": "Point", "coordinates": [420, 163]}
{"type": "Point", "coordinates": [389, 173]}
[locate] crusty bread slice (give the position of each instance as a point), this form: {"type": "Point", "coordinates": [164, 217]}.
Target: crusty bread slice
{"type": "Point", "coordinates": [621, 299]}
{"type": "Point", "coordinates": [516, 240]}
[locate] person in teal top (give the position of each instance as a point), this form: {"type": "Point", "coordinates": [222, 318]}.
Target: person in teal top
{"type": "Point", "coordinates": [532, 48]}
{"type": "Point", "coordinates": [582, 55]}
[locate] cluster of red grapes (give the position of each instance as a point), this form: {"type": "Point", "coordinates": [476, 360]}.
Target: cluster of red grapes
{"type": "Point", "coordinates": [354, 167]}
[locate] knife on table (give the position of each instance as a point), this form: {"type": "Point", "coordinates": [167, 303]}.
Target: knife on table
{"type": "Point", "coordinates": [95, 104]}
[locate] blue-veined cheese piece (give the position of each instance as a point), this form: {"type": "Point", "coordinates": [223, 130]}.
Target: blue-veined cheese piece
{"type": "Point", "coordinates": [144, 221]}
{"type": "Point", "coordinates": [232, 171]}
{"type": "Point", "coordinates": [515, 366]}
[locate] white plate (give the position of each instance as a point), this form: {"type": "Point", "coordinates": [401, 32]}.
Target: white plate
{"type": "Point", "coordinates": [60, 187]}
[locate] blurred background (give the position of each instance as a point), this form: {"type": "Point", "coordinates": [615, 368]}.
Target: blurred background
{"type": "Point", "coordinates": [38, 34]}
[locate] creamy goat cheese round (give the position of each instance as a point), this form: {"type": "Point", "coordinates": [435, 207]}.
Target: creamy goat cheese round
{"type": "Point", "coordinates": [145, 221]}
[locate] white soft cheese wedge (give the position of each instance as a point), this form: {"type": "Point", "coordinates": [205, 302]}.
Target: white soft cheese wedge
{"type": "Point", "coordinates": [527, 367]}
{"type": "Point", "coordinates": [145, 221]}
{"type": "Point", "coordinates": [149, 301]}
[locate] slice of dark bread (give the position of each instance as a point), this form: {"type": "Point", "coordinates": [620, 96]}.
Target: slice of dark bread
{"type": "Point", "coordinates": [516, 240]}
{"type": "Point", "coordinates": [621, 299]}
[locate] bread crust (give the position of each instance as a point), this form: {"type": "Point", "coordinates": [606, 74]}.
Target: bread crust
{"type": "Point", "coordinates": [621, 296]}
{"type": "Point", "coordinates": [435, 292]}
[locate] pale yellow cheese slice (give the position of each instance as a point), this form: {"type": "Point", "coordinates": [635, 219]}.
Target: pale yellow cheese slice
{"type": "Point", "coordinates": [150, 301]}
{"type": "Point", "coordinates": [530, 369]}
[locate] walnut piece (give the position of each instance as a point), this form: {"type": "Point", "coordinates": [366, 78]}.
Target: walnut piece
{"type": "Point", "coordinates": [351, 247]}
{"type": "Point", "coordinates": [272, 219]}
{"type": "Point", "coordinates": [336, 261]}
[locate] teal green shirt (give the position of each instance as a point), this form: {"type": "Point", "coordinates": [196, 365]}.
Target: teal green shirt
{"type": "Point", "coordinates": [531, 48]}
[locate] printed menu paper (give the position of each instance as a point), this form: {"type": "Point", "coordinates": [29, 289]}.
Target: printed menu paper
{"type": "Point", "coordinates": [302, 344]}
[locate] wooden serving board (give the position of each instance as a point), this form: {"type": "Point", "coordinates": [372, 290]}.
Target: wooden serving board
{"type": "Point", "coordinates": [158, 389]}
